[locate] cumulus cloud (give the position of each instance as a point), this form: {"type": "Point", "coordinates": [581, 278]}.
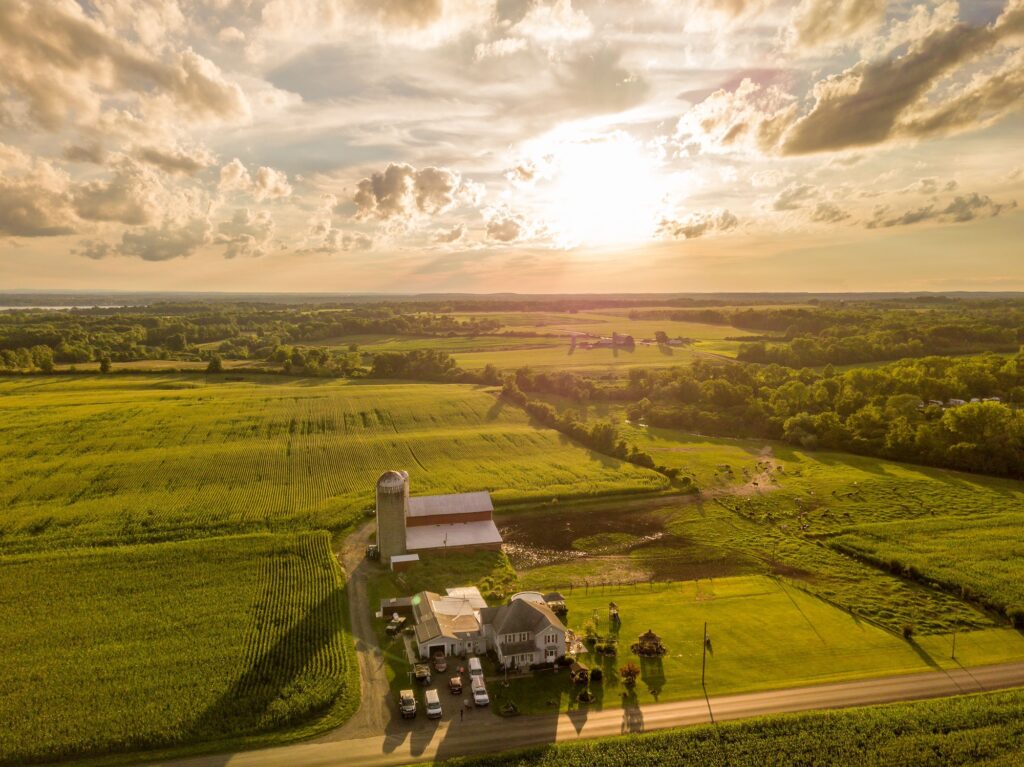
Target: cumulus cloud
{"type": "Point", "coordinates": [401, 192]}
{"type": "Point", "coordinates": [863, 105]}
{"type": "Point", "coordinates": [750, 118]}
{"type": "Point", "coordinates": [186, 161]}
{"type": "Point", "coordinates": [698, 224]}
{"type": "Point", "coordinates": [130, 196]}
{"type": "Point", "coordinates": [267, 184]}
{"type": "Point", "coordinates": [168, 241]}
{"type": "Point", "coordinates": [794, 196]}
{"type": "Point", "coordinates": [59, 61]}
{"type": "Point", "coordinates": [324, 237]}
{"type": "Point", "coordinates": [828, 213]}
{"type": "Point", "coordinates": [959, 210]}
{"type": "Point", "coordinates": [505, 226]}
{"type": "Point", "coordinates": [447, 236]}
{"type": "Point", "coordinates": [35, 200]}
{"type": "Point", "coordinates": [246, 233]}
{"type": "Point", "coordinates": [821, 23]}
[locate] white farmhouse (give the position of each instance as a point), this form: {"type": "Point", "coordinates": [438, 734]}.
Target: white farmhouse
{"type": "Point", "coordinates": [523, 633]}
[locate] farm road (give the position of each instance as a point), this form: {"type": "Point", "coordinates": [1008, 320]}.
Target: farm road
{"type": "Point", "coordinates": [482, 732]}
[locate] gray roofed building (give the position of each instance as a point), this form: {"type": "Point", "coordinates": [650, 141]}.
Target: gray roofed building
{"type": "Point", "coordinates": [453, 503]}
{"type": "Point", "coordinates": [522, 616]}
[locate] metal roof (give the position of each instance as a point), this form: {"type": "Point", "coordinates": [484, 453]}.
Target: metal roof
{"type": "Point", "coordinates": [454, 503]}
{"type": "Point", "coordinates": [457, 534]}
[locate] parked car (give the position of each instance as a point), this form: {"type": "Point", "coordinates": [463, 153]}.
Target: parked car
{"type": "Point", "coordinates": [455, 685]}
{"type": "Point", "coordinates": [407, 704]}
{"type": "Point", "coordinates": [480, 696]}
{"type": "Point", "coordinates": [440, 664]}
{"type": "Point", "coordinates": [433, 704]}
{"type": "Point", "coordinates": [476, 671]}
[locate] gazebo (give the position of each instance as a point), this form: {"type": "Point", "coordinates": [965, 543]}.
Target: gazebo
{"type": "Point", "coordinates": [649, 645]}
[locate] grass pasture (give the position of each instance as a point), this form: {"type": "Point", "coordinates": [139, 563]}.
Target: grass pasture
{"type": "Point", "coordinates": [765, 634]}
{"type": "Point", "coordinates": [151, 646]}
{"type": "Point", "coordinates": [108, 459]}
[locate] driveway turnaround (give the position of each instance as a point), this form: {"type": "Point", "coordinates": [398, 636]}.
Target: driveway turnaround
{"type": "Point", "coordinates": [404, 742]}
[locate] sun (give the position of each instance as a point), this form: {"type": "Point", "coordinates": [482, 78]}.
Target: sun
{"type": "Point", "coordinates": [600, 190]}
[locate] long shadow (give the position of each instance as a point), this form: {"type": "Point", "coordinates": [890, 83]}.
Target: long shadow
{"type": "Point", "coordinates": [923, 654]}
{"type": "Point", "coordinates": [632, 716]}
{"type": "Point", "coordinates": [243, 707]}
{"type": "Point", "coordinates": [652, 673]}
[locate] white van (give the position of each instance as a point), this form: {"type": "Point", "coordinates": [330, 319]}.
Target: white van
{"type": "Point", "coordinates": [480, 697]}
{"type": "Point", "coordinates": [476, 671]}
{"type": "Point", "coordinates": [433, 704]}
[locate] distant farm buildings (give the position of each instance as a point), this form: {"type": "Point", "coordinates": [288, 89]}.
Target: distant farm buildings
{"type": "Point", "coordinates": [407, 526]}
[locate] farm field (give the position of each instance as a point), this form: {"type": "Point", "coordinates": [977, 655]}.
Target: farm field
{"type": "Point", "coordinates": [142, 647]}
{"type": "Point", "coordinates": [765, 633]}
{"type": "Point", "coordinates": [121, 459]}
{"type": "Point", "coordinates": [561, 357]}
{"type": "Point", "coordinates": [956, 732]}
{"type": "Point", "coordinates": [887, 512]}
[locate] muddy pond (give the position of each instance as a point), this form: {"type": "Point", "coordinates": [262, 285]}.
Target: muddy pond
{"type": "Point", "coordinates": [642, 538]}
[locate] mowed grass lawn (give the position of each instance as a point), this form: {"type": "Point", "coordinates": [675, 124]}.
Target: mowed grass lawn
{"type": "Point", "coordinates": [120, 458]}
{"type": "Point", "coordinates": [138, 647]}
{"type": "Point", "coordinates": [765, 634]}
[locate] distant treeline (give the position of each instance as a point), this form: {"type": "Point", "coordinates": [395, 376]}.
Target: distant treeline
{"type": "Point", "coordinates": [906, 411]}
{"type": "Point", "coordinates": [846, 335]}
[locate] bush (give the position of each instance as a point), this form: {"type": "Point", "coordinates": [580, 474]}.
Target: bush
{"type": "Point", "coordinates": [596, 675]}
{"type": "Point", "coordinates": [908, 630]}
{"type": "Point", "coordinates": [1016, 615]}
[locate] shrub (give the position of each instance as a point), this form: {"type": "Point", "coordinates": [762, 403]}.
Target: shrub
{"type": "Point", "coordinates": [596, 675]}
{"type": "Point", "coordinates": [908, 630]}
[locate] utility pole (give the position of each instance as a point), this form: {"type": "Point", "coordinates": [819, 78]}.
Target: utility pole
{"type": "Point", "coordinates": [704, 658]}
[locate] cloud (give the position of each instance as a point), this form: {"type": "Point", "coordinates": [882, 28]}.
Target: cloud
{"type": "Point", "coordinates": [59, 61]}
{"type": "Point", "coordinates": [34, 196]}
{"type": "Point", "coordinates": [557, 21]}
{"type": "Point", "coordinates": [960, 210]}
{"type": "Point", "coordinates": [750, 118]}
{"type": "Point", "coordinates": [505, 226]}
{"type": "Point", "coordinates": [499, 48]}
{"type": "Point", "coordinates": [454, 234]}
{"type": "Point", "coordinates": [794, 196]}
{"type": "Point", "coordinates": [863, 105]}
{"type": "Point", "coordinates": [166, 242]}
{"type": "Point", "coordinates": [97, 250]}
{"type": "Point", "coordinates": [595, 80]}
{"type": "Point", "coordinates": [246, 233]}
{"type": "Point", "coordinates": [988, 97]}
{"type": "Point", "coordinates": [91, 153]}
{"type": "Point", "coordinates": [131, 196]}
{"type": "Point", "coordinates": [828, 213]}
{"type": "Point", "coordinates": [820, 23]}
{"type": "Point", "coordinates": [323, 237]}
{"type": "Point", "coordinates": [697, 225]}
{"type": "Point", "coordinates": [176, 159]}
{"type": "Point", "coordinates": [401, 192]}
{"type": "Point", "coordinates": [267, 184]}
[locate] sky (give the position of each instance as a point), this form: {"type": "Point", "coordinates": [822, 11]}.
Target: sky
{"type": "Point", "coordinates": [511, 145]}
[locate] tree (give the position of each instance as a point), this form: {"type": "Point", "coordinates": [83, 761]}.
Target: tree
{"type": "Point", "coordinates": [216, 364]}
{"type": "Point", "coordinates": [661, 337]}
{"type": "Point", "coordinates": [104, 364]}
{"type": "Point", "coordinates": [629, 674]}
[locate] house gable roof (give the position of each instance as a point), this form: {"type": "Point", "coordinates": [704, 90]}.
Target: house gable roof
{"type": "Point", "coordinates": [521, 615]}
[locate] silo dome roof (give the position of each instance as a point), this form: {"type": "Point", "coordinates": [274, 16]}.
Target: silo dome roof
{"type": "Point", "coordinates": [391, 479]}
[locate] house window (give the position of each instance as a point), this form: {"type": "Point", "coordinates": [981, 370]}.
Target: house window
{"type": "Point", "coordinates": [550, 638]}
{"type": "Point", "coordinates": [524, 636]}
{"type": "Point", "coordinates": [549, 653]}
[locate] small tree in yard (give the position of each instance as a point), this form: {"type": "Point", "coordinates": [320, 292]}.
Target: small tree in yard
{"type": "Point", "coordinates": [629, 674]}
{"type": "Point", "coordinates": [216, 364]}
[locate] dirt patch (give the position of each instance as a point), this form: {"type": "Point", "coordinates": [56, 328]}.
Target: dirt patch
{"type": "Point", "coordinates": [640, 547]}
